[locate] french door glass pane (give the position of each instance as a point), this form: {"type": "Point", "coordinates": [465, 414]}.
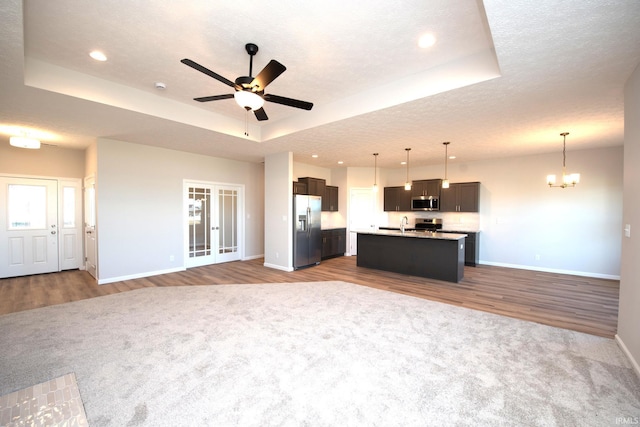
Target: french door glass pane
{"type": "Point", "coordinates": [27, 207]}
{"type": "Point", "coordinates": [228, 207]}
{"type": "Point", "coordinates": [199, 222]}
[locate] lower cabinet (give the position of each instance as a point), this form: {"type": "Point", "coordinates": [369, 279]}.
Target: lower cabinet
{"type": "Point", "coordinates": [472, 246]}
{"type": "Point", "coordinates": [333, 242]}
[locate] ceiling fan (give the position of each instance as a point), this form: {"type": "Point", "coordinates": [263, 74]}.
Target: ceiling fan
{"type": "Point", "coordinates": [249, 90]}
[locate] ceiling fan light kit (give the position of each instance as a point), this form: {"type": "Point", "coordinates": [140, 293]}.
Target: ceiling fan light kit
{"type": "Point", "coordinates": [249, 90]}
{"type": "Point", "coordinates": [248, 100]}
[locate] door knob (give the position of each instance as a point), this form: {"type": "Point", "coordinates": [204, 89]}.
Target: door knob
{"type": "Point", "coordinates": [53, 232]}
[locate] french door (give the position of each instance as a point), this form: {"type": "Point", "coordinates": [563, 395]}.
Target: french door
{"type": "Point", "coordinates": [213, 226]}
{"type": "Point", "coordinates": [28, 226]}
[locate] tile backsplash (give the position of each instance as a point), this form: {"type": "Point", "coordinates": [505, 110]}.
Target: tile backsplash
{"type": "Point", "coordinates": [458, 221]}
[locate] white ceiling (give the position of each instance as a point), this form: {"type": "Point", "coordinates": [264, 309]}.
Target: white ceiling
{"type": "Point", "coordinates": [504, 78]}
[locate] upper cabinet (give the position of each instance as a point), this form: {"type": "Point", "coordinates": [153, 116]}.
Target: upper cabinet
{"type": "Point", "coordinates": [330, 199]}
{"type": "Point", "coordinates": [315, 186]}
{"type": "Point", "coordinates": [426, 187]}
{"type": "Point", "coordinates": [318, 187]}
{"type": "Point", "coordinates": [299, 187]}
{"type": "Point", "coordinates": [460, 197]}
{"type": "Point", "coordinates": [397, 199]}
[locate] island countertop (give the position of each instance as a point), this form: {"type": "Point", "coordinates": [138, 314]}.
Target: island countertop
{"type": "Point", "coordinates": [426, 254]}
{"type": "Point", "coordinates": [413, 234]}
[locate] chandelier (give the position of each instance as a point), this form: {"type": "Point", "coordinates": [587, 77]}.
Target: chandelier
{"type": "Point", "coordinates": [568, 180]}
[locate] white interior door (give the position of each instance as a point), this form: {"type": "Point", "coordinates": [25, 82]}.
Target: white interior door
{"type": "Point", "coordinates": [362, 208]}
{"type": "Point", "coordinates": [69, 224]}
{"type": "Point", "coordinates": [28, 226]}
{"type": "Point", "coordinates": [213, 227]}
{"type": "Point", "coordinates": [90, 236]}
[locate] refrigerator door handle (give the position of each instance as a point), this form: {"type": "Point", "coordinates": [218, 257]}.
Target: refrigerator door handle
{"type": "Point", "coordinates": [309, 220]}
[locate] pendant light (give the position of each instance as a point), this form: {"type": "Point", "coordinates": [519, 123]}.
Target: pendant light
{"type": "Point", "coordinates": [375, 172]}
{"type": "Point", "coordinates": [445, 181]}
{"type": "Point", "coordinates": [569, 180]}
{"type": "Point", "coordinates": [407, 184]}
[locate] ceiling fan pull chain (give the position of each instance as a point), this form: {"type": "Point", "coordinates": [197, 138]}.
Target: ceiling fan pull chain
{"type": "Point", "coordinates": [246, 123]}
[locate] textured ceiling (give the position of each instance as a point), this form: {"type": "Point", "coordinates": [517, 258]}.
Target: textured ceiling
{"type": "Point", "coordinates": [503, 79]}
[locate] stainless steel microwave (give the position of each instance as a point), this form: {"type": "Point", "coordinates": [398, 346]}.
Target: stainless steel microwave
{"type": "Point", "coordinates": [425, 203]}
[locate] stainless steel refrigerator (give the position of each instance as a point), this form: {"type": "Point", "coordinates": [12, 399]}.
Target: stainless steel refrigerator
{"type": "Point", "coordinates": [307, 234]}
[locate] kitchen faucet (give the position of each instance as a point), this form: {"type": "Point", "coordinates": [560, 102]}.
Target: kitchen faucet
{"type": "Point", "coordinates": [403, 221]}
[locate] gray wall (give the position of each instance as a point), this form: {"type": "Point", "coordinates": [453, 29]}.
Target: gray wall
{"type": "Point", "coordinates": [140, 205]}
{"type": "Point", "coordinates": [629, 314]}
{"type": "Point", "coordinates": [47, 161]}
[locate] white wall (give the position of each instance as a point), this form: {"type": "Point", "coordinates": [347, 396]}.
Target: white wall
{"type": "Point", "coordinates": [523, 222]}
{"type": "Point", "coordinates": [140, 205]}
{"type": "Point", "coordinates": [573, 230]}
{"type": "Point", "coordinates": [629, 311]}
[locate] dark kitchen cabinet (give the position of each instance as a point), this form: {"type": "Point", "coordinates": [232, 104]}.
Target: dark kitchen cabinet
{"type": "Point", "coordinates": [330, 199]}
{"type": "Point", "coordinates": [460, 197]}
{"type": "Point", "coordinates": [333, 242]}
{"type": "Point", "coordinates": [426, 187]}
{"type": "Point", "coordinates": [299, 187]}
{"type": "Point", "coordinates": [315, 186]}
{"type": "Point", "coordinates": [471, 248]}
{"type": "Point", "coordinates": [397, 199]}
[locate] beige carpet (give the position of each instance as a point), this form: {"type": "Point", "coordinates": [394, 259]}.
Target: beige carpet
{"type": "Point", "coordinates": [56, 402]}
{"type": "Point", "coordinates": [313, 354]}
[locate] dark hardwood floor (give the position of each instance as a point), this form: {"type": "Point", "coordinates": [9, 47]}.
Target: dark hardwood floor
{"type": "Point", "coordinates": [573, 302]}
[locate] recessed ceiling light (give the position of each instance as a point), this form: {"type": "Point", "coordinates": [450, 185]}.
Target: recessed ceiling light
{"type": "Point", "coordinates": [403, 162]}
{"type": "Point", "coordinates": [98, 56]}
{"type": "Point", "coordinates": [315, 156]}
{"type": "Point", "coordinates": [452, 157]}
{"type": "Point", "coordinates": [426, 40]}
{"type": "Point", "coordinates": [340, 162]}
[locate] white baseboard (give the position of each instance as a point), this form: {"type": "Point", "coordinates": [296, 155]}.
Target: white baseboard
{"type": "Point", "coordinates": [247, 258]}
{"type": "Point", "coordinates": [278, 267]}
{"type": "Point", "coordinates": [625, 350]}
{"type": "Point", "coordinates": [139, 275]}
{"type": "Point", "coordinates": [553, 270]}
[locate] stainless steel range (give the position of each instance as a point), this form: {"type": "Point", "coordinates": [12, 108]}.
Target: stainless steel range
{"type": "Point", "coordinates": [428, 224]}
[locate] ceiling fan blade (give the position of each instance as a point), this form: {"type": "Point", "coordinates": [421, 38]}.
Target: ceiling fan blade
{"type": "Point", "coordinates": [260, 114]}
{"type": "Point", "coordinates": [267, 75]}
{"type": "Point", "coordinates": [213, 98]}
{"type": "Point", "coordinates": [296, 103]}
{"type": "Point", "coordinates": [208, 72]}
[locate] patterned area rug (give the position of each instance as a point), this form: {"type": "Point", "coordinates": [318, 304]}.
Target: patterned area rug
{"type": "Point", "coordinates": [52, 403]}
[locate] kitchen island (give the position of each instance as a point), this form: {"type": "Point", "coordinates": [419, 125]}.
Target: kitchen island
{"type": "Point", "coordinates": [418, 253]}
